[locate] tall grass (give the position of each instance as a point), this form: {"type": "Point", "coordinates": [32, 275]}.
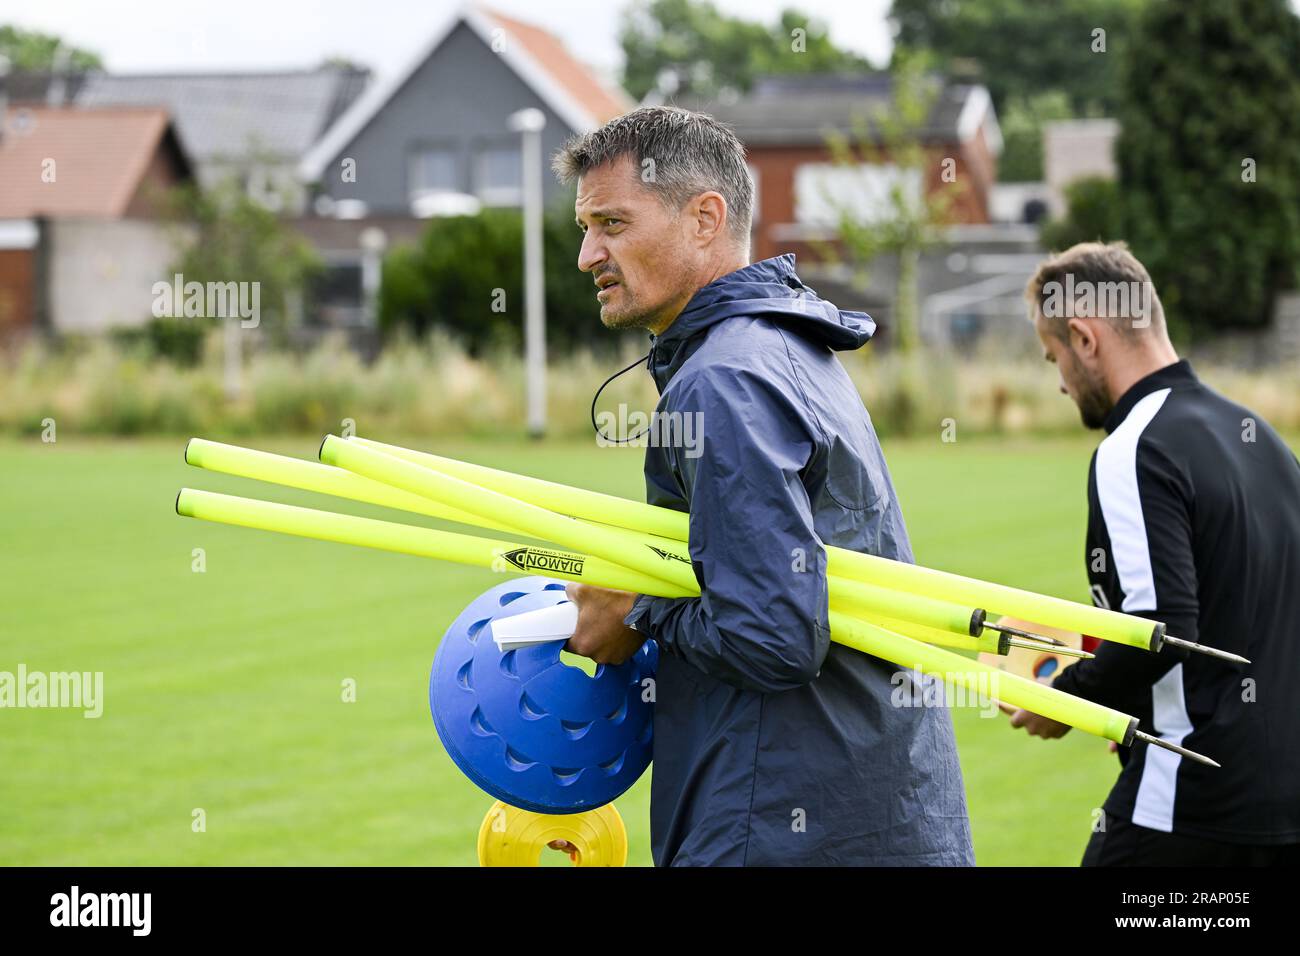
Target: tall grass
{"type": "Point", "coordinates": [435, 388]}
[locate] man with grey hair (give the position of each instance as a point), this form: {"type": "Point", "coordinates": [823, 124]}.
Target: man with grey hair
{"type": "Point", "coordinates": [772, 745]}
{"type": "Point", "coordinates": [1193, 520]}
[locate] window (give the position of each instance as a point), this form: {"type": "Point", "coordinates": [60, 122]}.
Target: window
{"type": "Point", "coordinates": [822, 191]}
{"type": "Point", "coordinates": [434, 168]}
{"type": "Point", "coordinates": [498, 176]}
{"type": "Point", "coordinates": [336, 295]}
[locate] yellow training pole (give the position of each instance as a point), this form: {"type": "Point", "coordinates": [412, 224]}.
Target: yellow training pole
{"type": "Point", "coordinates": [986, 643]}
{"type": "Point", "coordinates": [449, 546]}
{"type": "Point", "coordinates": [841, 563]}
{"type": "Point", "coordinates": [595, 506]}
{"type": "Point", "coordinates": [852, 596]}
{"type": "Point", "coordinates": [500, 556]}
{"type": "Point", "coordinates": [466, 549]}
{"type": "Point", "coordinates": [868, 600]}
{"type": "Point", "coordinates": [313, 476]}
{"type": "Point", "coordinates": [947, 625]}
{"type": "Point", "coordinates": [620, 546]}
{"type": "Point", "coordinates": [856, 597]}
{"type": "Point", "coordinates": [615, 545]}
{"type": "Point", "coordinates": [981, 678]}
{"type": "Point", "coordinates": [1000, 599]}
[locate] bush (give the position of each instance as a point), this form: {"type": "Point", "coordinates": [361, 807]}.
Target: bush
{"type": "Point", "coordinates": [465, 278]}
{"type": "Point", "coordinates": [1094, 215]}
{"type": "Point", "coordinates": [434, 388]}
{"type": "Point", "coordinates": [178, 339]}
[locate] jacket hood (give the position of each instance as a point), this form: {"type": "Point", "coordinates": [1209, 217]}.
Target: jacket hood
{"type": "Point", "coordinates": [769, 288]}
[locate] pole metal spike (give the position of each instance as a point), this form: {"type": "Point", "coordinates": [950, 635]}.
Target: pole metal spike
{"type": "Point", "coordinates": [1167, 745]}
{"type": "Point", "coordinates": [1050, 649]}
{"type": "Point", "coordinates": [1028, 635]}
{"type": "Point", "coordinates": [1204, 649]}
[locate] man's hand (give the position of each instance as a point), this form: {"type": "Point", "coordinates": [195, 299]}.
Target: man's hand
{"type": "Point", "coordinates": [1036, 724]}
{"type": "Point", "coordinates": [601, 633]}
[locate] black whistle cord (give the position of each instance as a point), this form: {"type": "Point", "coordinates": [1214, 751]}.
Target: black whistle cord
{"type": "Point", "coordinates": [595, 398]}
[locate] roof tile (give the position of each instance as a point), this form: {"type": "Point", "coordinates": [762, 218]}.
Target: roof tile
{"type": "Point", "coordinates": [578, 80]}
{"type": "Point", "coordinates": [100, 157]}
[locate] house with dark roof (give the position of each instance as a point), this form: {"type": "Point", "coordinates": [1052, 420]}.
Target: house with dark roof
{"type": "Point", "coordinates": [969, 286]}
{"type": "Point", "coordinates": [254, 127]}
{"type": "Point", "coordinates": [80, 240]}
{"type": "Point", "coordinates": [784, 122]}
{"type": "Point", "coordinates": [440, 124]}
{"type": "Point", "coordinates": [368, 162]}
{"type": "Point", "coordinates": [434, 138]}
{"type": "Point", "coordinates": [109, 163]}
{"type": "Point", "coordinates": [431, 136]}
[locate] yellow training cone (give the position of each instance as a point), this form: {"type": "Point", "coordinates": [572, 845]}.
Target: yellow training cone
{"type": "Point", "coordinates": [510, 836]}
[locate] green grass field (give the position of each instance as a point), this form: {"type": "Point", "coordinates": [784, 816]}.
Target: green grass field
{"type": "Point", "coordinates": [223, 689]}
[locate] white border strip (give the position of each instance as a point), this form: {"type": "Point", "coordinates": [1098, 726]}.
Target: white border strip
{"type": "Point", "coordinates": [1121, 504]}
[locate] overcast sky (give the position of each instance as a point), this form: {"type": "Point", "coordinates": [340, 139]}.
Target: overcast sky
{"type": "Point", "coordinates": [164, 35]}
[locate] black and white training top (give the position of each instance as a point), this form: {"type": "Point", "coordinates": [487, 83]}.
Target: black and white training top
{"type": "Point", "coordinates": [1194, 520]}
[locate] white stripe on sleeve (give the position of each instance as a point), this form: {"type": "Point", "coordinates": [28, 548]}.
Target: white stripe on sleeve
{"type": "Point", "coordinates": [1154, 805]}
{"type": "Point", "coordinates": [1121, 509]}
{"type": "Point", "coordinates": [1121, 506]}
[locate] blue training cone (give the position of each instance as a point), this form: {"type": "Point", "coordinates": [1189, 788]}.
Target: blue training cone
{"type": "Point", "coordinates": [529, 729]}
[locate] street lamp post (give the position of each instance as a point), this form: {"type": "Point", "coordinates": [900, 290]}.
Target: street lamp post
{"type": "Point", "coordinates": [530, 123]}
{"type": "Point", "coordinates": [373, 242]}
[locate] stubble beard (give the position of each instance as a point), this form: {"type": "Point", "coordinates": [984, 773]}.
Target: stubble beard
{"type": "Point", "coordinates": [630, 314]}
{"type": "Point", "coordinates": [1094, 403]}
{"type": "Point", "coordinates": [626, 316]}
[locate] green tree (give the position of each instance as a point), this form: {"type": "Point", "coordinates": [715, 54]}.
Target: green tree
{"type": "Point", "coordinates": [708, 53]}
{"type": "Point", "coordinates": [451, 277]}
{"type": "Point", "coordinates": [913, 215]}
{"type": "Point", "coordinates": [235, 239]}
{"type": "Point", "coordinates": [1095, 214]}
{"type": "Point", "coordinates": [908, 220]}
{"type": "Point", "coordinates": [1022, 134]}
{"type": "Point", "coordinates": [1209, 157]}
{"type": "Point", "coordinates": [1022, 48]}
{"type": "Point", "coordinates": [30, 50]}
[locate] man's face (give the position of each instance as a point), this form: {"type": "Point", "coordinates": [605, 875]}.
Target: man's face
{"type": "Point", "coordinates": [1084, 384]}
{"type": "Point", "coordinates": [634, 247]}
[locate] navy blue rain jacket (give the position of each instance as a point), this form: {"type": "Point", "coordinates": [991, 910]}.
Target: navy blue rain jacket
{"type": "Point", "coordinates": [773, 746]}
